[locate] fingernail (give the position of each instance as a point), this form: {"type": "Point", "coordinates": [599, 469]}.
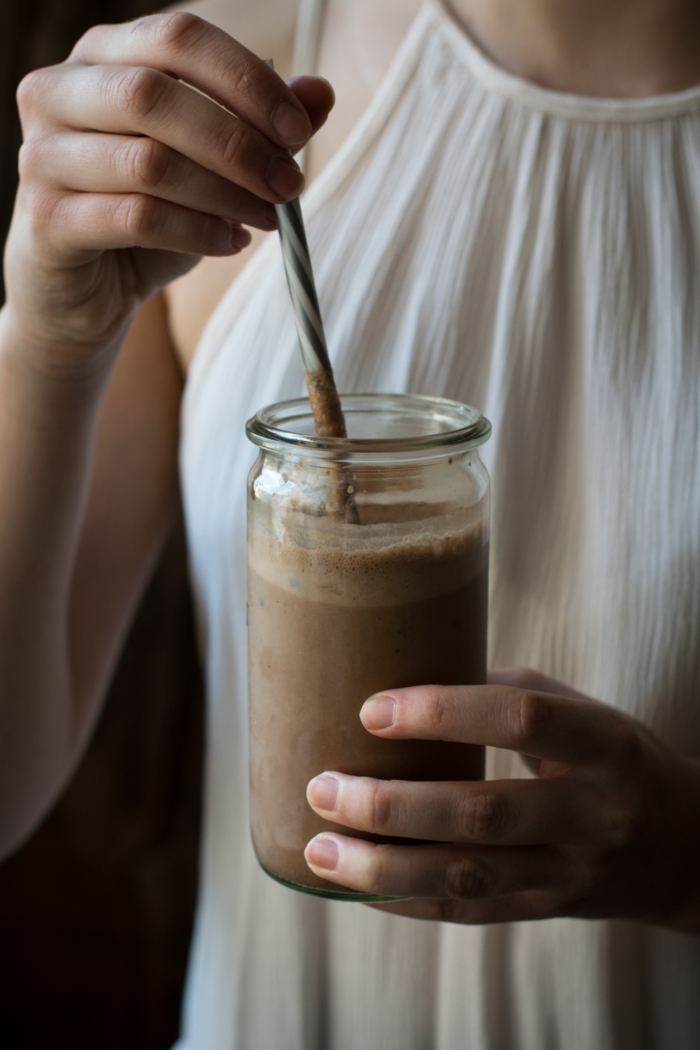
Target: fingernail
{"type": "Point", "coordinates": [284, 178]}
{"type": "Point", "coordinates": [378, 712]}
{"type": "Point", "coordinates": [292, 126]}
{"type": "Point", "coordinates": [322, 792]}
{"type": "Point", "coordinates": [323, 852]}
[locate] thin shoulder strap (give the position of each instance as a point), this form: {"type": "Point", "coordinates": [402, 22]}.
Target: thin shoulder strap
{"type": "Point", "coordinates": [306, 41]}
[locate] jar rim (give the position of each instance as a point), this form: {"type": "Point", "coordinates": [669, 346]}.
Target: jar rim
{"type": "Point", "coordinates": [461, 424]}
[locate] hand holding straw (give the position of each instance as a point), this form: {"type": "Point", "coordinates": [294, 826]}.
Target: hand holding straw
{"type": "Point", "coordinates": [325, 403]}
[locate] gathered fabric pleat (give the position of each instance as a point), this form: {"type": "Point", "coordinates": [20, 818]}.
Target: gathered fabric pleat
{"type": "Point", "coordinates": [535, 255]}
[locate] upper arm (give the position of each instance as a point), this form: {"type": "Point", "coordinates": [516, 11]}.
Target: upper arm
{"type": "Point", "coordinates": [132, 498]}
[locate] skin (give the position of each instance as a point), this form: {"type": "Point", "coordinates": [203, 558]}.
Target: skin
{"type": "Point", "coordinates": [129, 179]}
{"type": "Point", "coordinates": [570, 47]}
{"type": "Point", "coordinates": [626, 49]}
{"type": "Point", "coordinates": [608, 828]}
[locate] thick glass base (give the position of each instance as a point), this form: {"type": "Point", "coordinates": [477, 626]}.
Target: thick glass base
{"type": "Point", "coordinates": [335, 895]}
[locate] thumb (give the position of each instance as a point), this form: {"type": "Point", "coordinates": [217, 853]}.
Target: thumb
{"type": "Point", "coordinates": [316, 96]}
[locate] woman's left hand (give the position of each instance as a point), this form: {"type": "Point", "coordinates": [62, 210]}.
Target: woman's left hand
{"type": "Point", "coordinates": [609, 828]}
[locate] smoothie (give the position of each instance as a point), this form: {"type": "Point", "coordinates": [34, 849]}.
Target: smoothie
{"type": "Point", "coordinates": [400, 600]}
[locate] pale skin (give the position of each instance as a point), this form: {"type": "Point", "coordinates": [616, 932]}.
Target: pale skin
{"type": "Point", "coordinates": [133, 216]}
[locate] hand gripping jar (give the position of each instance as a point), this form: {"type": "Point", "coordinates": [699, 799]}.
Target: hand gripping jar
{"type": "Point", "coordinates": [340, 609]}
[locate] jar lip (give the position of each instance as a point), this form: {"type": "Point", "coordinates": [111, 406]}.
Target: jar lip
{"type": "Point", "coordinates": [461, 425]}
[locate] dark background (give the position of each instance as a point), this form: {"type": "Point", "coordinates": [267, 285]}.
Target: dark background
{"type": "Point", "coordinates": [96, 910]}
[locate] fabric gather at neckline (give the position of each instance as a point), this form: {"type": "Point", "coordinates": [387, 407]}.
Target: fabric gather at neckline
{"type": "Point", "coordinates": [556, 103]}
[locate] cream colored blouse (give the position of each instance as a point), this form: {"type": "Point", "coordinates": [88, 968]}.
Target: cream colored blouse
{"type": "Point", "coordinates": [536, 255]}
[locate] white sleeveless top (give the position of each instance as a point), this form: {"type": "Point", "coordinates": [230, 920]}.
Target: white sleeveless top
{"type": "Point", "coordinates": [536, 255]}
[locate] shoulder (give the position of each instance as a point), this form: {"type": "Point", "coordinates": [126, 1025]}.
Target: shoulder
{"type": "Point", "coordinates": [263, 26]}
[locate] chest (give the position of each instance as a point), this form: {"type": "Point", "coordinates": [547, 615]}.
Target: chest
{"type": "Point", "coordinates": [357, 44]}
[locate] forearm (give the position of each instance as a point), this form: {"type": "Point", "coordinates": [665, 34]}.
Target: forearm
{"type": "Point", "coordinates": [47, 438]}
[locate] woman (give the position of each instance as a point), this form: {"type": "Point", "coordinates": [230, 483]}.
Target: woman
{"type": "Point", "coordinates": [513, 224]}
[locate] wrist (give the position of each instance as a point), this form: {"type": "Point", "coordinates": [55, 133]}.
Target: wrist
{"type": "Point", "coordinates": [61, 367]}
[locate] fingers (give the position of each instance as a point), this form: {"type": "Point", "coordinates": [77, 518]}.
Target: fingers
{"type": "Point", "coordinates": [177, 153]}
{"type": "Point", "coordinates": [94, 222]}
{"type": "Point", "coordinates": [189, 49]}
{"type": "Point", "coordinates": [507, 812]}
{"type": "Point", "coordinates": [126, 100]}
{"type": "Point", "coordinates": [121, 164]}
{"type": "Point", "coordinates": [516, 907]}
{"type": "Point", "coordinates": [539, 724]}
{"type": "Point", "coordinates": [450, 872]}
{"type": "Point", "coordinates": [317, 97]}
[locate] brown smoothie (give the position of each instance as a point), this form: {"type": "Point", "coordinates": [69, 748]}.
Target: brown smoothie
{"type": "Point", "coordinates": [400, 600]}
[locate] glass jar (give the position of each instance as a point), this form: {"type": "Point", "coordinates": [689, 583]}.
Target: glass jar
{"type": "Point", "coordinates": [340, 609]}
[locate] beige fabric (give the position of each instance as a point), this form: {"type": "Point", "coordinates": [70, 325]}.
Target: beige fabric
{"type": "Point", "coordinates": [536, 255]}
{"type": "Point", "coordinates": [308, 35]}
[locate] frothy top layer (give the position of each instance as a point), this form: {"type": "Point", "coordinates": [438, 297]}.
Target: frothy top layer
{"type": "Point", "coordinates": [404, 556]}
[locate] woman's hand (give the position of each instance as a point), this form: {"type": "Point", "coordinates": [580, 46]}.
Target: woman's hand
{"type": "Point", "coordinates": [129, 176]}
{"type": "Point", "coordinates": [609, 828]}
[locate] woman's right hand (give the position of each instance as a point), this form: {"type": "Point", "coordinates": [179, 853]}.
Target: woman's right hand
{"type": "Point", "coordinates": [128, 176]}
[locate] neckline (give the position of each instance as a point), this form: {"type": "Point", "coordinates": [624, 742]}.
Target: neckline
{"type": "Point", "coordinates": [555, 103]}
{"type": "Point", "coordinates": [432, 13]}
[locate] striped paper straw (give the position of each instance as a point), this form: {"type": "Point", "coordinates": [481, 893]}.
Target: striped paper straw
{"type": "Point", "coordinates": [302, 287]}
{"type": "Point", "coordinates": [325, 403]}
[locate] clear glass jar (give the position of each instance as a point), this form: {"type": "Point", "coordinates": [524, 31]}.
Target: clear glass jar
{"type": "Point", "coordinates": [339, 610]}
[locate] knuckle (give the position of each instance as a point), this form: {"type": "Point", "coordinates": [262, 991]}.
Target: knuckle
{"type": "Point", "coordinates": [434, 707]}
{"type": "Point", "coordinates": [232, 143]}
{"type": "Point", "coordinates": [86, 39]}
{"type": "Point", "coordinates": [31, 160]}
{"type": "Point", "coordinates": [624, 825]}
{"type": "Point", "coordinates": [42, 214]}
{"type": "Point", "coordinates": [483, 817]}
{"type": "Point", "coordinates": [138, 92]}
{"type": "Point", "coordinates": [31, 89]}
{"type": "Point", "coordinates": [211, 236]}
{"type": "Point", "coordinates": [532, 717]}
{"type": "Point", "coordinates": [41, 208]}
{"type": "Point", "coordinates": [178, 32]}
{"type": "Point", "coordinates": [465, 879]}
{"type": "Point", "coordinates": [146, 163]}
{"type": "Point", "coordinates": [379, 807]}
{"type": "Point", "coordinates": [91, 36]}
{"type": "Point", "coordinates": [244, 74]}
{"type": "Point", "coordinates": [137, 215]}
{"type": "Point", "coordinates": [378, 867]}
